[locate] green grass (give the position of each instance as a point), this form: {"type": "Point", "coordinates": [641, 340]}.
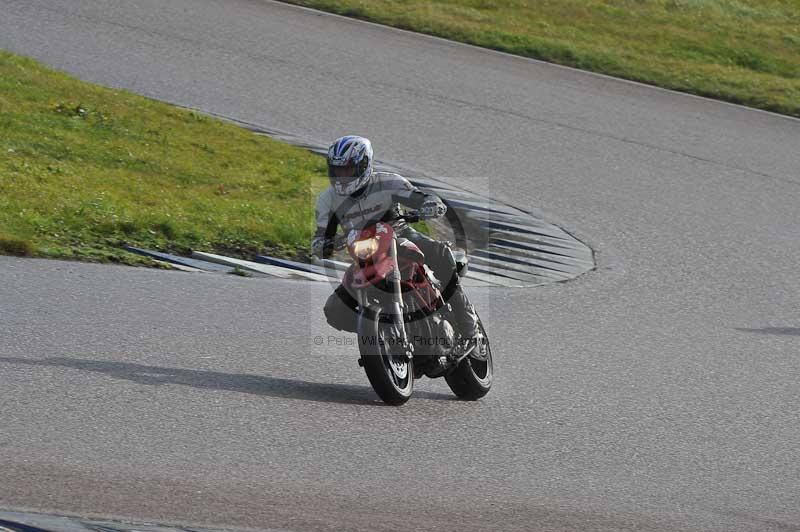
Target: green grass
{"type": "Point", "coordinates": [85, 169]}
{"type": "Point", "coordinates": [743, 51]}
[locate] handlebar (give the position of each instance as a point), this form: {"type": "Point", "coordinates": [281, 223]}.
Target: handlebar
{"type": "Point", "coordinates": [410, 217]}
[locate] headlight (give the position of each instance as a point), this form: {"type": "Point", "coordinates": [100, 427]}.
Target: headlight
{"type": "Point", "coordinates": [364, 249]}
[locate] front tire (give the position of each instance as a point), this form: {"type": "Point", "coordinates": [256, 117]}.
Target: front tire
{"type": "Point", "coordinates": [391, 375]}
{"type": "Point", "coordinates": [472, 379]}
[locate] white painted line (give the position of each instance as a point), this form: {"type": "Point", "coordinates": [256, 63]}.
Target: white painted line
{"type": "Point", "coordinates": [542, 62]}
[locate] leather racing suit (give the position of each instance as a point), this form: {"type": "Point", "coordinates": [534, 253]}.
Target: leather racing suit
{"type": "Point", "coordinates": [378, 201]}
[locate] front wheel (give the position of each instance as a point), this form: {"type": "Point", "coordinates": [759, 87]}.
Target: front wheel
{"type": "Point", "coordinates": [382, 354]}
{"type": "Point", "coordinates": [472, 379]}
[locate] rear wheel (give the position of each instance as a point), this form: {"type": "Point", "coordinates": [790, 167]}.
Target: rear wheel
{"type": "Point", "coordinates": [382, 354]}
{"type": "Point", "coordinates": [472, 379]}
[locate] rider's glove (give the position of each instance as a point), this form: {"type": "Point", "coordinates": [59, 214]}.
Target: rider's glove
{"type": "Point", "coordinates": [432, 209]}
{"type": "Point", "coordinates": [340, 242]}
{"type": "Point", "coordinates": [323, 247]}
{"type": "Point", "coordinates": [318, 246]}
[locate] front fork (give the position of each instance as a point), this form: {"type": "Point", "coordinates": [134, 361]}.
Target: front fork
{"type": "Point", "coordinates": [395, 305]}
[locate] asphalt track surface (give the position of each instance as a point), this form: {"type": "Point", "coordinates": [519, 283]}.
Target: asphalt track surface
{"type": "Point", "coordinates": [658, 392]}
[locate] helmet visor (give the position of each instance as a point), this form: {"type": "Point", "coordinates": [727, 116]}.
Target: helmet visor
{"type": "Point", "coordinates": [344, 174]}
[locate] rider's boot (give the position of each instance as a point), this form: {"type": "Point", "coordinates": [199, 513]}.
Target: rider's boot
{"type": "Point", "coordinates": [464, 312]}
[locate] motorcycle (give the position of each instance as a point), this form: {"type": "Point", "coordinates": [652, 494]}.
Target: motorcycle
{"type": "Point", "coordinates": [406, 329]}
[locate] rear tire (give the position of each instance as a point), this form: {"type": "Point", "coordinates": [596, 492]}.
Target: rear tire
{"type": "Point", "coordinates": [391, 375]}
{"type": "Point", "coordinates": [472, 379]}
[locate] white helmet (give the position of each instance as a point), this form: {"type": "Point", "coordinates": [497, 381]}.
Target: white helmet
{"type": "Point", "coordinates": [349, 164]}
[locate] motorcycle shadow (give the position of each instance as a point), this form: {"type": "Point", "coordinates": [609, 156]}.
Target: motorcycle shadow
{"type": "Point", "coordinates": [214, 380]}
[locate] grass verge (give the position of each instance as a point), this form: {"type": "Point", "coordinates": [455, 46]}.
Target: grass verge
{"type": "Point", "coordinates": [742, 51]}
{"type": "Point", "coordinates": [84, 169]}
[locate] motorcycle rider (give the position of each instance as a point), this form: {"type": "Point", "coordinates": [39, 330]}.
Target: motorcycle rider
{"type": "Point", "coordinates": [358, 197]}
